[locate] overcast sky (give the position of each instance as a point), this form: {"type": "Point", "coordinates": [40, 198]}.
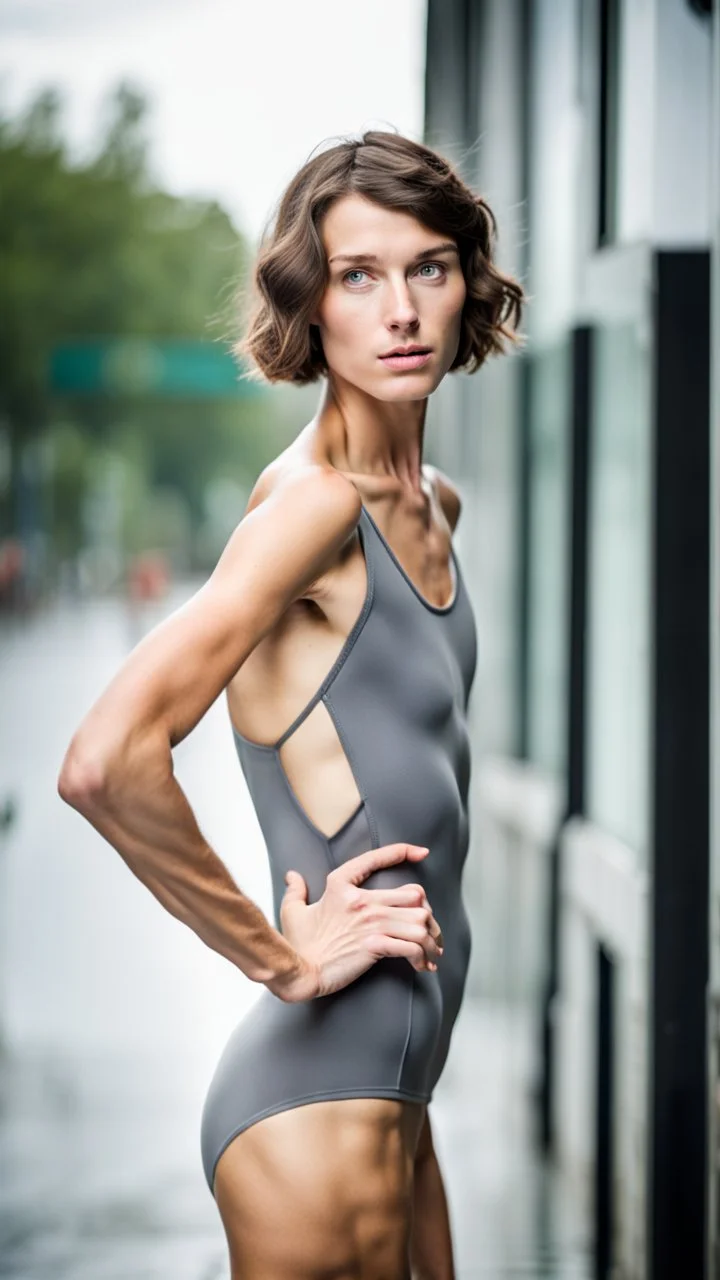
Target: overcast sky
{"type": "Point", "coordinates": [241, 90]}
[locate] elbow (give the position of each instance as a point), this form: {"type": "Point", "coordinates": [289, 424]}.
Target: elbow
{"type": "Point", "coordinates": [83, 779]}
{"type": "Point", "coordinates": [102, 770]}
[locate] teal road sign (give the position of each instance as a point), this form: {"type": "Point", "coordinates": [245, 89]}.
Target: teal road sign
{"type": "Point", "coordinates": [185, 369]}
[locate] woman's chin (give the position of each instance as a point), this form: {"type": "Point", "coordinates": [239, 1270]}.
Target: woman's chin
{"type": "Point", "coordinates": [391, 389]}
{"type": "Point", "coordinates": [405, 386]}
{"type": "Point", "coordinates": [418, 389]}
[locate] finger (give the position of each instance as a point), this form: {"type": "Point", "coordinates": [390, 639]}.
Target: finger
{"type": "Point", "coordinates": [435, 931]}
{"type": "Point", "coordinates": [383, 945]}
{"type": "Point", "coordinates": [406, 895]}
{"type": "Point", "coordinates": [433, 925]}
{"type": "Point", "coordinates": [393, 915]}
{"type": "Point", "coordinates": [357, 869]}
{"type": "Point", "coordinates": [297, 890]}
{"type": "Point", "coordinates": [411, 931]}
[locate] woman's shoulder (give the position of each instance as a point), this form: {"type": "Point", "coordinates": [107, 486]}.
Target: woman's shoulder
{"type": "Point", "coordinates": [297, 483]}
{"type": "Point", "coordinates": [314, 510]}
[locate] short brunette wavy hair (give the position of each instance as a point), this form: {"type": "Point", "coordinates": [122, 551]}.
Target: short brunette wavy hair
{"type": "Point", "coordinates": [291, 271]}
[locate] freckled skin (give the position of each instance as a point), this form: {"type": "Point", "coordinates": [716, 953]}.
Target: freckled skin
{"type": "Point", "coordinates": [351, 1189]}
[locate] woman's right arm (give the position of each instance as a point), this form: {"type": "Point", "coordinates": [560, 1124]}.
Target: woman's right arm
{"type": "Point", "coordinates": [118, 769]}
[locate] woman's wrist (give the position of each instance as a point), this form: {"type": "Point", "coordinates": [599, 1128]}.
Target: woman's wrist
{"type": "Point", "coordinates": [294, 981]}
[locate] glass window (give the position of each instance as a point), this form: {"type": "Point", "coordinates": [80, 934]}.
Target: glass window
{"type": "Point", "coordinates": [548, 560]}
{"type": "Point", "coordinates": [618, 670]}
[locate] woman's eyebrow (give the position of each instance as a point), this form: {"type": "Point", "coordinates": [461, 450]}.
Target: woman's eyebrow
{"type": "Point", "coordinates": [445, 247]}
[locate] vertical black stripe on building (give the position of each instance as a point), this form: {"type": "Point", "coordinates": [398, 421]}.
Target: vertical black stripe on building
{"type": "Point", "coordinates": [604, 1215]}
{"type": "Point", "coordinates": [582, 391]}
{"type": "Point", "coordinates": [607, 118]}
{"type": "Point", "coordinates": [680, 736]}
{"type": "Point", "coordinates": [576, 627]}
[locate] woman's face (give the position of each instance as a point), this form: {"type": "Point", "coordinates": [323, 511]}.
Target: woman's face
{"type": "Point", "coordinates": [393, 283]}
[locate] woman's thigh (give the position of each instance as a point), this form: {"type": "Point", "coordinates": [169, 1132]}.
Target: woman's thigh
{"type": "Point", "coordinates": [321, 1192]}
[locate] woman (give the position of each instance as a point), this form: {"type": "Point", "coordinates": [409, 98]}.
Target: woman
{"type": "Point", "coordinates": [338, 624]}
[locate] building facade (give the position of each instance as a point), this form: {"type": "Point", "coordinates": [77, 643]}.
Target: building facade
{"type": "Point", "coordinates": [588, 464]}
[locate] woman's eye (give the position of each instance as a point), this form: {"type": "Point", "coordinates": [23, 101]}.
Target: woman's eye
{"type": "Point", "coordinates": [432, 266]}
{"type": "Point", "coordinates": [432, 270]}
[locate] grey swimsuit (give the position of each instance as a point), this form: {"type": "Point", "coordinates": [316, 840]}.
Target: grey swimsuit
{"type": "Point", "coordinates": [398, 695]}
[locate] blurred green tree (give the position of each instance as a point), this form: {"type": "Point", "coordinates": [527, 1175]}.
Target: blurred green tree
{"type": "Point", "coordinates": [96, 248]}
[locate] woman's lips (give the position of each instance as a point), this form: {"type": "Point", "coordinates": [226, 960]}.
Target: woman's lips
{"type": "Point", "coordinates": [414, 361]}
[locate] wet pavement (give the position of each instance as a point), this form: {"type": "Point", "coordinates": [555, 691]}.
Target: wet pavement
{"type": "Point", "coordinates": [113, 1015]}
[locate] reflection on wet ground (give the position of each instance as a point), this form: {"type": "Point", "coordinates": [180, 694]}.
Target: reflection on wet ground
{"type": "Point", "coordinates": [113, 1016]}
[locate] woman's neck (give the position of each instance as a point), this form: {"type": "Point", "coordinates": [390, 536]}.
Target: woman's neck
{"type": "Point", "coordinates": [363, 436]}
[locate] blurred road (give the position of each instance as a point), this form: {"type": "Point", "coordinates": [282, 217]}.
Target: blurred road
{"type": "Point", "coordinates": [113, 1015]}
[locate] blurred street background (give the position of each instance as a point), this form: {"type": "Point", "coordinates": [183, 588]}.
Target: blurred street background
{"type": "Point", "coordinates": [142, 148]}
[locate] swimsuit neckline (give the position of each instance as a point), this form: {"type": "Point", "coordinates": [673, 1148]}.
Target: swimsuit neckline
{"type": "Point", "coordinates": [432, 608]}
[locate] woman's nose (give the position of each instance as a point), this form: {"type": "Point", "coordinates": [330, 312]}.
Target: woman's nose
{"type": "Point", "coordinates": [401, 309]}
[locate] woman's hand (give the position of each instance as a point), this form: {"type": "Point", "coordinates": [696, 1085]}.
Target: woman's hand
{"type": "Point", "coordinates": [343, 934]}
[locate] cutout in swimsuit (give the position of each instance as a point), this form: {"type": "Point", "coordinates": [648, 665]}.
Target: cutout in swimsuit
{"type": "Point", "coordinates": [397, 695]}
